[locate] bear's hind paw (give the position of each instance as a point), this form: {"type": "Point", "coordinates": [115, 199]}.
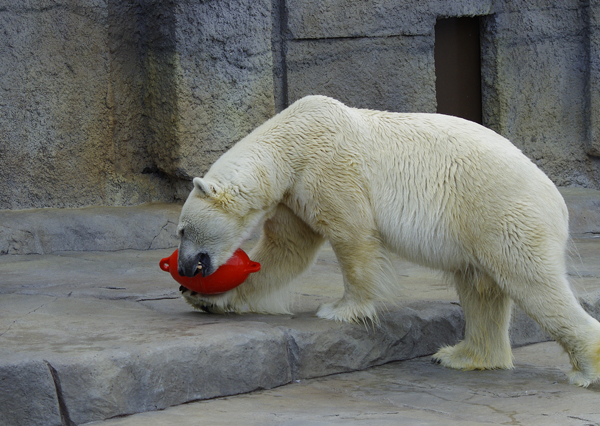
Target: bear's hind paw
{"type": "Point", "coordinates": [460, 357]}
{"type": "Point", "coordinates": [586, 363]}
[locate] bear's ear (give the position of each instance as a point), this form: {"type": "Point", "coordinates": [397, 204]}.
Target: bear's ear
{"type": "Point", "coordinates": [204, 188]}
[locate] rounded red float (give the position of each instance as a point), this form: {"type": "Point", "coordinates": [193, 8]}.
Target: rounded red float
{"type": "Point", "coordinates": [229, 275]}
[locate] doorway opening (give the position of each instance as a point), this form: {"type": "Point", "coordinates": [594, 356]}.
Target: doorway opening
{"type": "Point", "coordinates": [457, 55]}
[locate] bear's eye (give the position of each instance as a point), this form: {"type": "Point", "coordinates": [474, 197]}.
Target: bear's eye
{"type": "Point", "coordinates": [181, 232]}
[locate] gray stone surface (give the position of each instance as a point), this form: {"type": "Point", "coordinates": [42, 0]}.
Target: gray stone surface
{"type": "Point", "coordinates": [121, 102]}
{"type": "Point", "coordinates": [93, 335]}
{"type": "Point", "coordinates": [365, 72]}
{"type": "Point", "coordinates": [534, 73]}
{"type": "Point", "coordinates": [319, 348]}
{"type": "Point", "coordinates": [593, 80]}
{"type": "Point", "coordinates": [40, 231]}
{"type": "Point", "coordinates": [584, 210]}
{"type": "Point", "coordinates": [71, 130]}
{"type": "Point", "coordinates": [382, 18]}
{"type": "Point", "coordinates": [121, 340]}
{"type": "Point", "coordinates": [28, 394]}
{"type": "Point", "coordinates": [412, 393]}
{"type": "Point", "coordinates": [142, 377]}
{"type": "Point", "coordinates": [211, 80]}
{"type": "Point", "coordinates": [55, 72]}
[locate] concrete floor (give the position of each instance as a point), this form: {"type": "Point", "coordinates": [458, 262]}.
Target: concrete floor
{"type": "Point", "coordinates": [414, 392]}
{"type": "Point", "coordinates": [89, 336]}
{"type": "Point", "coordinates": [104, 336]}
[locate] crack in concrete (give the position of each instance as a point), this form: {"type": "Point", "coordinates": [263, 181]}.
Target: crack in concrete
{"type": "Point", "coordinates": [588, 422]}
{"type": "Point", "coordinates": [510, 414]}
{"type": "Point", "coordinates": [62, 406]}
{"type": "Point", "coordinates": [158, 298]}
{"type": "Point", "coordinates": [477, 392]}
{"type": "Point", "coordinates": [293, 355]}
{"type": "Point", "coordinates": [159, 232]}
{"type": "Point", "coordinates": [15, 321]}
{"type": "Point", "coordinates": [425, 409]}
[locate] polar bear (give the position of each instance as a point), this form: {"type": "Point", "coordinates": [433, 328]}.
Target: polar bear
{"type": "Point", "coordinates": [438, 190]}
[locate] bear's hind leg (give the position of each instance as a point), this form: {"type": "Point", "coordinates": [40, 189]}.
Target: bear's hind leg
{"type": "Point", "coordinates": [552, 304]}
{"type": "Point", "coordinates": [487, 312]}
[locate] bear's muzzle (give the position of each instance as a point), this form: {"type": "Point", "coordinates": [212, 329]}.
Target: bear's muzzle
{"type": "Point", "coordinates": [190, 266]}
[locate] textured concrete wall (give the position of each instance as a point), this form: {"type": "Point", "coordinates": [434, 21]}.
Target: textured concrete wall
{"type": "Point", "coordinates": [120, 102]}
{"type": "Point", "coordinates": [72, 129]}
{"type": "Point", "coordinates": [535, 71]}
{"type": "Point", "coordinates": [211, 80]}
{"type": "Point", "coordinates": [593, 81]}
{"type": "Point", "coordinates": [368, 54]}
{"type": "Point", "coordinates": [54, 68]}
{"type": "Point", "coordinates": [365, 72]}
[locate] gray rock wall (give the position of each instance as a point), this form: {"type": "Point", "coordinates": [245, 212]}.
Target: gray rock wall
{"type": "Point", "coordinates": [535, 73]}
{"type": "Point", "coordinates": [121, 102]}
{"type": "Point", "coordinates": [72, 129]}
{"type": "Point", "coordinates": [211, 81]}
{"type": "Point", "coordinates": [368, 54]}
{"type": "Point", "coordinates": [54, 68]}
{"type": "Point", "coordinates": [365, 72]}
{"type": "Point", "coordinates": [593, 78]}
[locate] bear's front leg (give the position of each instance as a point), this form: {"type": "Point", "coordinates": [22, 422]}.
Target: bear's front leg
{"type": "Point", "coordinates": [286, 248]}
{"type": "Point", "coordinates": [212, 304]}
{"type": "Point", "coordinates": [368, 277]}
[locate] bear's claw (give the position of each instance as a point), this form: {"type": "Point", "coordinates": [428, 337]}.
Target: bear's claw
{"type": "Point", "coordinates": [208, 308]}
{"type": "Point", "coordinates": [199, 302]}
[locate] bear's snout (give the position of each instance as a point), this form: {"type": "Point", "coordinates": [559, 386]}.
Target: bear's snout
{"type": "Point", "coordinates": [190, 266]}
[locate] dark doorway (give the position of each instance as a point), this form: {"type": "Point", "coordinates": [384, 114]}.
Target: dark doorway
{"type": "Point", "coordinates": [458, 68]}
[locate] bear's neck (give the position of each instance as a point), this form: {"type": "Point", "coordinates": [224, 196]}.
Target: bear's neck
{"type": "Point", "coordinates": [258, 169]}
{"type": "Point", "coordinates": [268, 164]}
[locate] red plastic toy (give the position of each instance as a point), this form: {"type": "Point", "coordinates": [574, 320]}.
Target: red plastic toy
{"type": "Point", "coordinates": [229, 275]}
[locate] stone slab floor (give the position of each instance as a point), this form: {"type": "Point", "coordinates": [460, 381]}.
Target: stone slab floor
{"type": "Point", "coordinates": [414, 392]}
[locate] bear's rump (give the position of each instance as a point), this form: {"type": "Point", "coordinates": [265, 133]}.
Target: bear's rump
{"type": "Point", "coordinates": [447, 223]}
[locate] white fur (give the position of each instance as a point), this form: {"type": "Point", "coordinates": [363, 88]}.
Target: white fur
{"type": "Point", "coordinates": [440, 191]}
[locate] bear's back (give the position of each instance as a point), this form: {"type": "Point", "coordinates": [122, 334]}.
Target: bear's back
{"type": "Point", "coordinates": [449, 184]}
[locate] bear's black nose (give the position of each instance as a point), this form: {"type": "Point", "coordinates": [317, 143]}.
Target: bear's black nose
{"type": "Point", "coordinates": [190, 266]}
{"type": "Point", "coordinates": [205, 265]}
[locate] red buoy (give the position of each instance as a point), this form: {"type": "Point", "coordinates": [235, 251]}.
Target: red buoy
{"type": "Point", "coordinates": [229, 275]}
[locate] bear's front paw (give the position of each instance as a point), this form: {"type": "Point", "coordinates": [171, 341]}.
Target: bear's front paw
{"type": "Point", "coordinates": [347, 311]}
{"type": "Point", "coordinates": [201, 302]}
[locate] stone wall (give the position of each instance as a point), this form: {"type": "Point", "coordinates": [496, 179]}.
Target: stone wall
{"type": "Point", "coordinates": [211, 80]}
{"type": "Point", "coordinates": [539, 88]}
{"type": "Point", "coordinates": [72, 130]}
{"type": "Point", "coordinates": [368, 54]}
{"type": "Point", "coordinates": [120, 102]}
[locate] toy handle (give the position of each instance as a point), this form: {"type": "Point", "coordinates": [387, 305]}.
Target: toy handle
{"type": "Point", "coordinates": [164, 264]}
{"type": "Point", "coordinates": [253, 267]}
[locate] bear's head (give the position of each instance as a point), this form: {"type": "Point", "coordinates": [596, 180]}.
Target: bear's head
{"type": "Point", "coordinates": [214, 222]}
